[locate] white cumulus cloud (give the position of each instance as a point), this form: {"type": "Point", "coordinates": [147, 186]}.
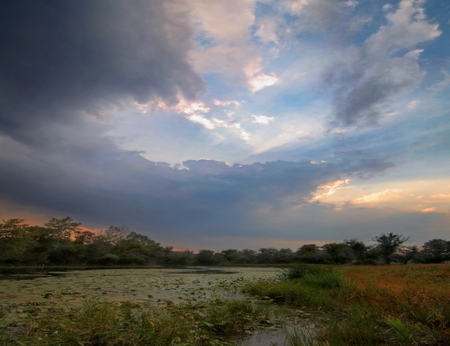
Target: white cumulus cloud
{"type": "Point", "coordinates": [262, 119]}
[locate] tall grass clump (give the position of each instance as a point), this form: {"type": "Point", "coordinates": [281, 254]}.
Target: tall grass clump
{"type": "Point", "coordinates": [320, 277]}
{"type": "Point", "coordinates": [303, 285]}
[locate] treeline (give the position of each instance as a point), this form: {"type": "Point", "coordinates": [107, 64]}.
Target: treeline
{"type": "Point", "coordinates": [65, 242]}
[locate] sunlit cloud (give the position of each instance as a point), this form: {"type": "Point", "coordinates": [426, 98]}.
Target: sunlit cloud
{"type": "Point", "coordinates": [441, 196]}
{"type": "Point", "coordinates": [215, 123]}
{"type": "Point", "coordinates": [226, 103]}
{"type": "Point", "coordinates": [182, 106]}
{"type": "Point", "coordinates": [329, 189]}
{"type": "Point", "coordinates": [377, 197]}
{"type": "Point", "coordinates": [260, 81]}
{"type": "Point", "coordinates": [429, 210]}
{"type": "Point", "coordinates": [256, 79]}
{"type": "Point", "coordinates": [262, 119]}
{"type": "Point", "coordinates": [198, 119]}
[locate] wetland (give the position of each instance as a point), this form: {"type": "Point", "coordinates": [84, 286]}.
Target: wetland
{"type": "Point", "coordinates": [302, 305]}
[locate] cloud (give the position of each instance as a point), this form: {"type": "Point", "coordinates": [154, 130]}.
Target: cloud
{"type": "Point", "coordinates": [267, 30]}
{"type": "Point", "coordinates": [335, 17]}
{"type": "Point", "coordinates": [226, 103]}
{"type": "Point", "coordinates": [89, 56]}
{"type": "Point", "coordinates": [377, 197]}
{"type": "Point", "coordinates": [201, 120]}
{"type": "Point", "coordinates": [262, 119]}
{"type": "Point", "coordinates": [230, 49]}
{"type": "Point", "coordinates": [329, 188]}
{"type": "Point", "coordinates": [443, 84]}
{"type": "Point", "coordinates": [441, 196]}
{"type": "Point", "coordinates": [258, 82]}
{"type": "Point", "coordinates": [412, 105]}
{"type": "Point", "coordinates": [378, 71]}
{"type": "Point", "coordinates": [97, 183]}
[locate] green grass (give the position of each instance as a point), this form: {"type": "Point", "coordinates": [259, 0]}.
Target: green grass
{"type": "Point", "coordinates": [303, 285]}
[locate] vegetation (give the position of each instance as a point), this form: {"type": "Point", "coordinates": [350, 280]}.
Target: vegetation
{"type": "Point", "coordinates": [125, 323]}
{"type": "Point", "coordinates": [65, 242]}
{"type": "Point", "coordinates": [319, 305]}
{"type": "Point", "coordinates": [366, 305]}
{"type": "Point", "coordinates": [115, 307]}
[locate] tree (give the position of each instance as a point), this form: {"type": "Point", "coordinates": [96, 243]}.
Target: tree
{"type": "Point", "coordinates": [99, 251]}
{"type": "Point", "coordinates": [13, 240]}
{"type": "Point", "coordinates": [436, 251]}
{"type": "Point", "coordinates": [180, 257]}
{"type": "Point", "coordinates": [136, 249]}
{"type": "Point", "coordinates": [208, 257]}
{"type": "Point", "coordinates": [388, 244]}
{"type": "Point", "coordinates": [339, 253]}
{"type": "Point", "coordinates": [407, 253]}
{"type": "Point", "coordinates": [267, 255]}
{"type": "Point", "coordinates": [311, 253]}
{"type": "Point", "coordinates": [60, 230]}
{"type": "Point", "coordinates": [114, 235]}
{"type": "Point", "coordinates": [247, 256]}
{"type": "Point", "coordinates": [359, 249]}
{"type": "Point", "coordinates": [231, 255]}
{"type": "Point", "coordinates": [285, 255]}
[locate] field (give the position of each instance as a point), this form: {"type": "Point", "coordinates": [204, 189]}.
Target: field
{"type": "Point", "coordinates": [302, 305]}
{"type": "Point", "coordinates": [369, 305]}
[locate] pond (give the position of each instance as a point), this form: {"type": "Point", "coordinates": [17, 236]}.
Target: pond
{"type": "Point", "coordinates": [30, 293]}
{"type": "Point", "coordinates": [178, 285]}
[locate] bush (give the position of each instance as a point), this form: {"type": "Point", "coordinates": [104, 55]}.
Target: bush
{"type": "Point", "coordinates": [301, 271]}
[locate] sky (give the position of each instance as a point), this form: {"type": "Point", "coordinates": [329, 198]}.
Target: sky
{"type": "Point", "coordinates": [208, 124]}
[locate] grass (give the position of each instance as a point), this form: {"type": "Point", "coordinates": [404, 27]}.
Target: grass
{"type": "Point", "coordinates": [322, 305]}
{"type": "Point", "coordinates": [132, 307]}
{"type": "Point", "coordinates": [97, 323]}
{"type": "Point", "coordinates": [395, 305]}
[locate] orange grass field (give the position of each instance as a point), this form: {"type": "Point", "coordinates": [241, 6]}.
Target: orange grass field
{"type": "Point", "coordinates": [415, 292]}
{"type": "Point", "coordinates": [432, 279]}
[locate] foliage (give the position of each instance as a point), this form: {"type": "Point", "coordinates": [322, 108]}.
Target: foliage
{"type": "Point", "coordinates": [436, 251]}
{"type": "Point", "coordinates": [65, 242]}
{"type": "Point", "coordinates": [13, 240]}
{"type": "Point", "coordinates": [388, 244]}
{"type": "Point", "coordinates": [381, 305]}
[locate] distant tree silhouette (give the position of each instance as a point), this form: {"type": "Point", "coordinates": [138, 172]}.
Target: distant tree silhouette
{"type": "Point", "coordinates": [388, 244]}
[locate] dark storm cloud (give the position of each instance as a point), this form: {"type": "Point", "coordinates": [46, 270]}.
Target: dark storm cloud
{"type": "Point", "coordinates": [62, 57]}
{"type": "Point", "coordinates": [97, 183]}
